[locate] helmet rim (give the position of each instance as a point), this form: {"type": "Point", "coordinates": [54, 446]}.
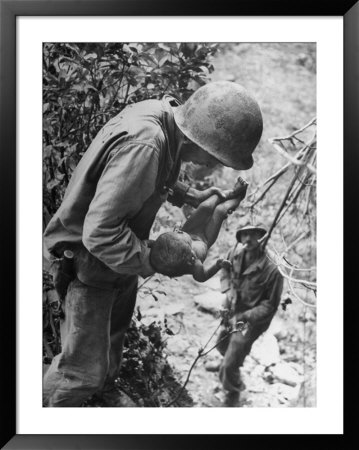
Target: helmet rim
{"type": "Point", "coordinates": [224, 120]}
{"type": "Point", "coordinates": [245, 163]}
{"type": "Point", "coordinates": [259, 228]}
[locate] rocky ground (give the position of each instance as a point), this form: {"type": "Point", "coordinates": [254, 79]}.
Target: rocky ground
{"type": "Point", "coordinates": [277, 373]}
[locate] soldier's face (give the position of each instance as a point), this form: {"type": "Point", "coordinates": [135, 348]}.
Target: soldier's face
{"type": "Point", "coordinates": [193, 153]}
{"type": "Point", "coordinates": [250, 239]}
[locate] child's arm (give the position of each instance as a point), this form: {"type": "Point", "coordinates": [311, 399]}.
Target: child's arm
{"type": "Point", "coordinates": [201, 274]}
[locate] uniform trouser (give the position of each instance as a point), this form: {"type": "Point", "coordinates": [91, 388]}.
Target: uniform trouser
{"type": "Point", "coordinates": [234, 349]}
{"type": "Point", "coordinates": [92, 336]}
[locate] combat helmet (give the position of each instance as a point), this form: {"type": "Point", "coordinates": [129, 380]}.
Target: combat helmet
{"type": "Point", "coordinates": [249, 227]}
{"type": "Point", "coordinates": [224, 120]}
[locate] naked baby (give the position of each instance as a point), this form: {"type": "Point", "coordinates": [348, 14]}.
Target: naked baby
{"type": "Point", "coordinates": [183, 251]}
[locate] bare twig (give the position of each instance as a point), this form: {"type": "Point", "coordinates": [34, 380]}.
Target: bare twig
{"type": "Point", "coordinates": [282, 205]}
{"type": "Point", "coordinates": [274, 177]}
{"type": "Point", "coordinates": [282, 261]}
{"type": "Point", "coordinates": [297, 297]}
{"type": "Point", "coordinates": [296, 280]}
{"type": "Point", "coordinates": [293, 160]}
{"type": "Point", "coordinates": [201, 353]}
{"type": "Point", "coordinates": [289, 137]}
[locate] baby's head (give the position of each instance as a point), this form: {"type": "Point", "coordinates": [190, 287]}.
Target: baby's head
{"type": "Point", "coordinates": [171, 254]}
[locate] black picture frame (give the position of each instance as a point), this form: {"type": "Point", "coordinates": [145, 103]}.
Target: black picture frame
{"type": "Point", "coordinates": [9, 10]}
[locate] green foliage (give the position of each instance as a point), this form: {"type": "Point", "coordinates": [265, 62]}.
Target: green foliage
{"type": "Point", "coordinates": [85, 84]}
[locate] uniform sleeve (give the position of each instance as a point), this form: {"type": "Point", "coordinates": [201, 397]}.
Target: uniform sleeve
{"type": "Point", "coordinates": [128, 179]}
{"type": "Point", "coordinates": [268, 306]}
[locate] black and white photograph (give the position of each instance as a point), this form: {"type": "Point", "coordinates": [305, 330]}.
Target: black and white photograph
{"type": "Point", "coordinates": [179, 224]}
{"type": "Point", "coordinates": [178, 193]}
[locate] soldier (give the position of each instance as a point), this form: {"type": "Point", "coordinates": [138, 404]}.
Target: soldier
{"type": "Point", "coordinates": [253, 287]}
{"type": "Point", "coordinates": [129, 170]}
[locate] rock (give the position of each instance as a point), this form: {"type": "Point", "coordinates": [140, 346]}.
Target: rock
{"type": "Point", "coordinates": [256, 384]}
{"type": "Point", "coordinates": [230, 77]}
{"type": "Point", "coordinates": [268, 376]}
{"type": "Point", "coordinates": [152, 316]}
{"type": "Point", "coordinates": [212, 366]}
{"type": "Point", "coordinates": [257, 371]}
{"type": "Point", "coordinates": [175, 309]}
{"type": "Point", "coordinates": [213, 283]}
{"type": "Point", "coordinates": [285, 392]}
{"type": "Point", "coordinates": [278, 328]}
{"type": "Point", "coordinates": [284, 373]}
{"type": "Point", "coordinates": [298, 367]}
{"type": "Point", "coordinates": [210, 302]}
{"type": "Point", "coordinates": [176, 345]}
{"type": "Point", "coordinates": [265, 350]}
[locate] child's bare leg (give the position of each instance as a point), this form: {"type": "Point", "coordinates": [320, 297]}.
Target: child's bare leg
{"type": "Point", "coordinates": [239, 190]}
{"type": "Point", "coordinates": [219, 215]}
{"type": "Point", "coordinates": [196, 223]}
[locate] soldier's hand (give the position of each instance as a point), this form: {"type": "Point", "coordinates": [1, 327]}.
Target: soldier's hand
{"type": "Point", "coordinates": [225, 315]}
{"type": "Point", "coordinates": [242, 324]}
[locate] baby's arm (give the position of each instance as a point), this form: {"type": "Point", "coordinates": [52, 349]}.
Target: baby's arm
{"type": "Point", "coordinates": [201, 274]}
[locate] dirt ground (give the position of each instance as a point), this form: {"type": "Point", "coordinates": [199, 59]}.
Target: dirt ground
{"type": "Point", "coordinates": [189, 309]}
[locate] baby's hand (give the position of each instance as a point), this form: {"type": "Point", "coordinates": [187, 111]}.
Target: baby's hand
{"type": "Point", "coordinates": [224, 263]}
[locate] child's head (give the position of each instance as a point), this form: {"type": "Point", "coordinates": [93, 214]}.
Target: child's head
{"type": "Point", "coordinates": [171, 254]}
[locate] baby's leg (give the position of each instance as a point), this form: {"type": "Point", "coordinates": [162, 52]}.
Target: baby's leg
{"type": "Point", "coordinates": [196, 223]}
{"type": "Point", "coordinates": [239, 189]}
{"type": "Point", "coordinates": [219, 215]}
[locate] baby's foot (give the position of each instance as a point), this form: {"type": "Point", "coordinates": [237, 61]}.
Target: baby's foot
{"type": "Point", "coordinates": [239, 190]}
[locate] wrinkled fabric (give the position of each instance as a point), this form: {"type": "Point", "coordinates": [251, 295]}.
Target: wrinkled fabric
{"type": "Point", "coordinates": [252, 294]}
{"type": "Point", "coordinates": [234, 349]}
{"type": "Point", "coordinates": [105, 219]}
{"type": "Point", "coordinates": [92, 337]}
{"type": "Point", "coordinates": [114, 194]}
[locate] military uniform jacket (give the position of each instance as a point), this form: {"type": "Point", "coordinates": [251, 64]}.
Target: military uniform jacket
{"type": "Point", "coordinates": [253, 294]}
{"type": "Point", "coordinates": [114, 194]}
